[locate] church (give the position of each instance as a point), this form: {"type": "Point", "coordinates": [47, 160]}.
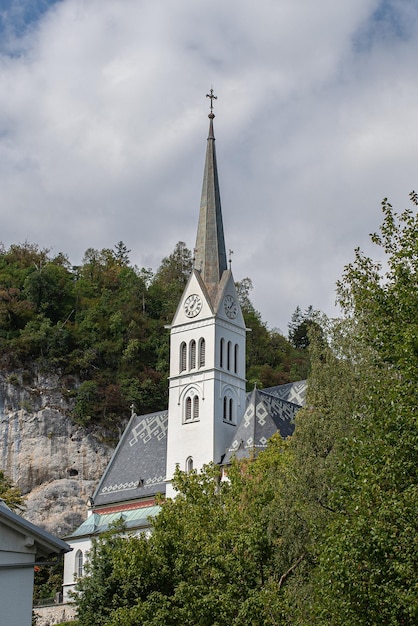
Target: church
{"type": "Point", "coordinates": [210, 416]}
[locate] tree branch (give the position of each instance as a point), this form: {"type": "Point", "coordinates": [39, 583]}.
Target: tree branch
{"type": "Point", "coordinates": [290, 570]}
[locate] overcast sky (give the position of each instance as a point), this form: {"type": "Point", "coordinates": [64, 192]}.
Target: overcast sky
{"type": "Point", "coordinates": [103, 127]}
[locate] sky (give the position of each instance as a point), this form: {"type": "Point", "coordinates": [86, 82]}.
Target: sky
{"type": "Point", "coordinates": [103, 127]}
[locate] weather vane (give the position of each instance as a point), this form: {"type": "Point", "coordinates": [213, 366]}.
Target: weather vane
{"type": "Point", "coordinates": [212, 98]}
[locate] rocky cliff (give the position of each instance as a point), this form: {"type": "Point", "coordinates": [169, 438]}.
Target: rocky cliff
{"type": "Point", "coordinates": [54, 462]}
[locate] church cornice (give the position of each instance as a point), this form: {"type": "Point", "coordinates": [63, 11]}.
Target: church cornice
{"type": "Point", "coordinates": [209, 321]}
{"type": "Point", "coordinates": [180, 328]}
{"type": "Point", "coordinates": [206, 375]}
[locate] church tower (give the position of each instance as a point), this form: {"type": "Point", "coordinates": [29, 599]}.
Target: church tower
{"type": "Point", "coordinates": [207, 343]}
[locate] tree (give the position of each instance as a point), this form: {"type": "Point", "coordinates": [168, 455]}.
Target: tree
{"type": "Point", "coordinates": [169, 282]}
{"type": "Point", "coordinates": [50, 289]}
{"type": "Point", "coordinates": [10, 494]}
{"type": "Point", "coordinates": [210, 558]}
{"type": "Point", "coordinates": [300, 325]}
{"type": "Point", "coordinates": [356, 444]}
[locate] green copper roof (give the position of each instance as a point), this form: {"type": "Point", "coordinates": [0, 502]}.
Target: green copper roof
{"type": "Point", "coordinates": [96, 524]}
{"type": "Point", "coordinates": [210, 253]}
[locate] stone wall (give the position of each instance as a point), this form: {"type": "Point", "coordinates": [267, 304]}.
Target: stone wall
{"type": "Point", "coordinates": [55, 614]}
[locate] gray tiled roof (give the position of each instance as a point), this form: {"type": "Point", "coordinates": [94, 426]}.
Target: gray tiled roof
{"type": "Point", "coordinates": [137, 467]}
{"type": "Point", "coordinates": [292, 392]}
{"type": "Point", "coordinates": [266, 413]}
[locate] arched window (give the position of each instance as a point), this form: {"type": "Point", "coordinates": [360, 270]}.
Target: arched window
{"type": "Point", "coordinates": [192, 354]}
{"type": "Point", "coordinates": [79, 563]}
{"type": "Point", "coordinates": [188, 413]}
{"type": "Point", "coordinates": [202, 352]}
{"type": "Point", "coordinates": [236, 356]}
{"type": "Point", "coordinates": [189, 464]}
{"type": "Point", "coordinates": [221, 352]}
{"type": "Point", "coordinates": [228, 407]}
{"type": "Point", "coordinates": [228, 356]}
{"type": "Point", "coordinates": [183, 357]}
{"type": "Point", "coordinates": [196, 408]}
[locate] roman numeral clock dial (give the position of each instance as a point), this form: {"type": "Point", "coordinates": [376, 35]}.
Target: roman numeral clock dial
{"type": "Point", "coordinates": [230, 306]}
{"type": "Point", "coordinates": [193, 305]}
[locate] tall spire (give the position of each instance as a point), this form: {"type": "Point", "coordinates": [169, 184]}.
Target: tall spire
{"type": "Point", "coordinates": [210, 252]}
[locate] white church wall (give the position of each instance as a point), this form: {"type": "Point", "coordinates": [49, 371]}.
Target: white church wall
{"type": "Point", "coordinates": [72, 567]}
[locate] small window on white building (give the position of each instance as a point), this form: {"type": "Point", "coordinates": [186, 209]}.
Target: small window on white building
{"type": "Point", "coordinates": [191, 408]}
{"type": "Point", "coordinates": [188, 411]}
{"type": "Point", "coordinates": [183, 357]}
{"type": "Point", "coordinates": [192, 355]}
{"type": "Point", "coordinates": [189, 464]}
{"type": "Point", "coordinates": [236, 356]}
{"type": "Point", "coordinates": [228, 408]}
{"type": "Point", "coordinates": [79, 563]}
{"type": "Point", "coordinates": [228, 356]}
{"type": "Point", "coordinates": [196, 408]}
{"type": "Point", "coordinates": [202, 352]}
{"type": "Point", "coordinates": [221, 352]}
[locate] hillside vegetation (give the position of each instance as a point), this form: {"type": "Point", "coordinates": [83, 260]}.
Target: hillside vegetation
{"type": "Point", "coordinates": [101, 324]}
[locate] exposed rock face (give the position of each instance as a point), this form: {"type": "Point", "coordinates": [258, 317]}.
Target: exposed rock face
{"type": "Point", "coordinates": [54, 462]}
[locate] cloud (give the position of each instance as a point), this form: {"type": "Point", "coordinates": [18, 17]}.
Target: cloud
{"type": "Point", "coordinates": [103, 131]}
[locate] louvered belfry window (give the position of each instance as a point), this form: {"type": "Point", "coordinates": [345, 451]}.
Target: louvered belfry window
{"type": "Point", "coordinates": [196, 408]}
{"type": "Point", "coordinates": [183, 357]}
{"type": "Point", "coordinates": [228, 363]}
{"type": "Point", "coordinates": [236, 356]}
{"type": "Point", "coordinates": [192, 349]}
{"type": "Point", "coordinates": [202, 352]}
{"type": "Point", "coordinates": [188, 415]}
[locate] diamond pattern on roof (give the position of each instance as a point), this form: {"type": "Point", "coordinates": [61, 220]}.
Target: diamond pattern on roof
{"type": "Point", "coordinates": [120, 487]}
{"type": "Point", "coordinates": [266, 413]}
{"type": "Point", "coordinates": [137, 467]}
{"type": "Point", "coordinates": [292, 392]}
{"type": "Point", "coordinates": [154, 426]}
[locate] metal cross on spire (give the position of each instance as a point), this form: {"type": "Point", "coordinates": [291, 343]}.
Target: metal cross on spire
{"type": "Point", "coordinates": [212, 98]}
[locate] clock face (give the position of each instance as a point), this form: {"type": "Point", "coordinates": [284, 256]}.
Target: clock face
{"type": "Point", "coordinates": [231, 307]}
{"type": "Point", "coordinates": [193, 305]}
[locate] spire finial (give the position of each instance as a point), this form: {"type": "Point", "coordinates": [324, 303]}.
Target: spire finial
{"type": "Point", "coordinates": [212, 98]}
{"type": "Point", "coordinates": [231, 252]}
{"type": "Point", "coordinates": [210, 256]}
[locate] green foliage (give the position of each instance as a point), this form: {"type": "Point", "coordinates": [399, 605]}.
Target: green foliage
{"type": "Point", "coordinates": [48, 581]}
{"type": "Point", "coordinates": [301, 324]}
{"type": "Point", "coordinates": [11, 494]}
{"type": "Point", "coordinates": [376, 581]}
{"type": "Point", "coordinates": [210, 559]}
{"type": "Point", "coordinates": [103, 322]}
{"type": "Point", "coordinates": [356, 443]}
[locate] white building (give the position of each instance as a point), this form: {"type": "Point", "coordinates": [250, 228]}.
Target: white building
{"type": "Point", "coordinates": [22, 546]}
{"type": "Point", "coordinates": [210, 416]}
